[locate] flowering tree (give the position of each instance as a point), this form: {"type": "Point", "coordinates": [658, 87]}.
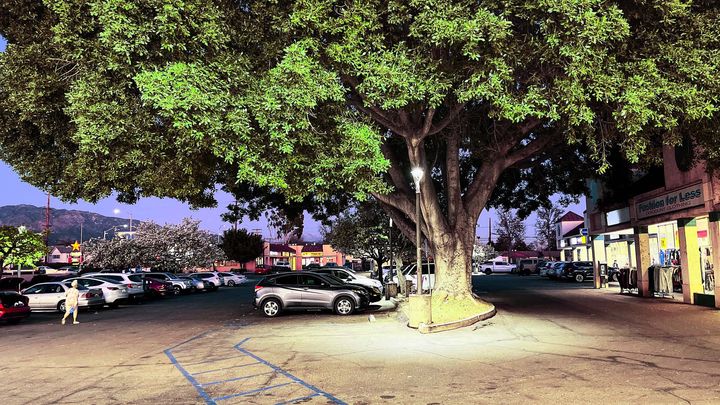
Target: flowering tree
{"type": "Point", "coordinates": [171, 248]}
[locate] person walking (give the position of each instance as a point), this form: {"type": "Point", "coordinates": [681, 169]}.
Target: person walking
{"type": "Point", "coordinates": [71, 303]}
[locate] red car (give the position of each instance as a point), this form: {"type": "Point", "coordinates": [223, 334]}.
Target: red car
{"type": "Point", "coordinates": [156, 288]}
{"type": "Point", "coordinates": [261, 269]}
{"type": "Point", "coordinates": [13, 307]}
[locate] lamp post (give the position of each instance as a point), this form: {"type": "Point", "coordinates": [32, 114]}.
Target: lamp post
{"type": "Point", "coordinates": [390, 273]}
{"type": "Point", "coordinates": [417, 174]}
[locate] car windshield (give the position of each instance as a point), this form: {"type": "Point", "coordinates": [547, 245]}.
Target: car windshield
{"type": "Point", "coordinates": [332, 279]}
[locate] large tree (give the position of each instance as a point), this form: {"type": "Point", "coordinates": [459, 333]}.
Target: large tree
{"type": "Point", "coordinates": [502, 102]}
{"type": "Point", "coordinates": [545, 225]}
{"type": "Point", "coordinates": [241, 246]}
{"type": "Point", "coordinates": [510, 230]}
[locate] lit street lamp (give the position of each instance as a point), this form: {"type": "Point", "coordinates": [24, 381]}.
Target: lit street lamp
{"type": "Point", "coordinates": [114, 229]}
{"type": "Point", "coordinates": [417, 174]}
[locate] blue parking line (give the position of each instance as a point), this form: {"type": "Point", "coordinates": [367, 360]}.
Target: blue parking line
{"type": "Point", "coordinates": [288, 375]}
{"type": "Point", "coordinates": [190, 378]}
{"type": "Point", "coordinates": [224, 368]}
{"type": "Point", "coordinates": [290, 401]}
{"type": "Point", "coordinates": [234, 379]}
{"type": "Point", "coordinates": [242, 394]}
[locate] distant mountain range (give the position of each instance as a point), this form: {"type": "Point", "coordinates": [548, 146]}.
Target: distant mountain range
{"type": "Point", "coordinates": [64, 224]}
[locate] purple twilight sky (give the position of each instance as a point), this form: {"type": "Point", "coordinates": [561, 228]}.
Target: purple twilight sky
{"type": "Point", "coordinates": [165, 210]}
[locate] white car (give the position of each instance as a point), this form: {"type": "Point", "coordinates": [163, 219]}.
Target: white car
{"type": "Point", "coordinates": [114, 293]}
{"type": "Point", "coordinates": [496, 266]}
{"type": "Point", "coordinates": [51, 296]}
{"type": "Point", "coordinates": [350, 277]}
{"type": "Point", "coordinates": [211, 280]}
{"type": "Point", "coordinates": [428, 275]}
{"type": "Point", "coordinates": [133, 282]}
{"type": "Point", "coordinates": [230, 279]}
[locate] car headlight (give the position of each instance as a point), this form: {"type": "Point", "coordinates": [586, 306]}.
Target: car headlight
{"type": "Point", "coordinates": [376, 290]}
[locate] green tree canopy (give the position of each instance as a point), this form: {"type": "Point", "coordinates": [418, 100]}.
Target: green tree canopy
{"type": "Point", "coordinates": [502, 102]}
{"type": "Point", "coordinates": [20, 246]}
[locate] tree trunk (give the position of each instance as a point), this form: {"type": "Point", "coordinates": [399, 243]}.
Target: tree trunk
{"type": "Point", "coordinates": [453, 264]}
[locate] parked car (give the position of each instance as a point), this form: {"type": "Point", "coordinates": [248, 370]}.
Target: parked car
{"type": "Point", "coordinates": [277, 293]}
{"type": "Point", "coordinates": [556, 270]}
{"type": "Point", "coordinates": [157, 288]}
{"type": "Point", "coordinates": [133, 283]}
{"type": "Point", "coordinates": [497, 266]}
{"type": "Point", "coordinates": [13, 307]}
{"type": "Point", "coordinates": [51, 296]}
{"type": "Point", "coordinates": [349, 277]}
{"type": "Point", "coordinates": [543, 270]}
{"type": "Point", "coordinates": [178, 285]}
{"type": "Point", "coordinates": [212, 281]}
{"type": "Point", "coordinates": [230, 279]}
{"type": "Point", "coordinates": [261, 269]}
{"type": "Point", "coordinates": [373, 287]}
{"type": "Point", "coordinates": [529, 266]}
{"type": "Point", "coordinates": [12, 284]}
{"type": "Point", "coordinates": [428, 275]}
{"type": "Point", "coordinates": [114, 292]}
{"type": "Point", "coordinates": [197, 283]}
{"type": "Point", "coordinates": [578, 271]}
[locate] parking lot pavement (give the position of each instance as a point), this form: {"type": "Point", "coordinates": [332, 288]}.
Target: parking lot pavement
{"type": "Point", "coordinates": [550, 342]}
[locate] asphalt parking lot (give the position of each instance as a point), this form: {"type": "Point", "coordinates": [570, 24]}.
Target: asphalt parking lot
{"type": "Point", "coordinates": [550, 342]}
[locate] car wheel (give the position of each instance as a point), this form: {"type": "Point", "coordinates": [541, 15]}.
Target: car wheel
{"type": "Point", "coordinates": [579, 278]}
{"type": "Point", "coordinates": [344, 306]}
{"type": "Point", "coordinates": [615, 277]}
{"type": "Point", "coordinates": [271, 307]}
{"type": "Point", "coordinates": [488, 272]}
{"type": "Point", "coordinates": [177, 290]}
{"type": "Point", "coordinates": [61, 306]}
{"type": "Point", "coordinates": [231, 283]}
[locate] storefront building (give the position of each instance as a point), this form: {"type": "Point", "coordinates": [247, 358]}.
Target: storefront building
{"type": "Point", "coordinates": [667, 232]}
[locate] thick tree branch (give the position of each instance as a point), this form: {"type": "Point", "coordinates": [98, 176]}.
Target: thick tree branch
{"type": "Point", "coordinates": [449, 117]}
{"type": "Point", "coordinates": [452, 174]}
{"type": "Point", "coordinates": [397, 178]}
{"type": "Point", "coordinates": [530, 150]}
{"type": "Point", "coordinates": [398, 201]}
{"type": "Point", "coordinates": [427, 123]}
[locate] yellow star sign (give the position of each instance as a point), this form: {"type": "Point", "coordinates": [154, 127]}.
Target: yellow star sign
{"type": "Point", "coordinates": [75, 246]}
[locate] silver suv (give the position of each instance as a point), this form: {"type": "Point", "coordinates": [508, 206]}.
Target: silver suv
{"type": "Point", "coordinates": [284, 291]}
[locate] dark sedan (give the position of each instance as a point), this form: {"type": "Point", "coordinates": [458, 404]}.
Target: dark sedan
{"type": "Point", "coordinates": [577, 271]}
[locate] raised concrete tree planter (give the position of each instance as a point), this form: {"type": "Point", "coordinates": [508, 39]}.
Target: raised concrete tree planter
{"type": "Point", "coordinates": [441, 327]}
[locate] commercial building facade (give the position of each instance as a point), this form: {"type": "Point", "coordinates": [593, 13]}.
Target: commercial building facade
{"type": "Point", "coordinates": [670, 221]}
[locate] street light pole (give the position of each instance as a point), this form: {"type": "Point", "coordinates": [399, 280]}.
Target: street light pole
{"type": "Point", "coordinates": [390, 273]}
{"type": "Point", "coordinates": [417, 174]}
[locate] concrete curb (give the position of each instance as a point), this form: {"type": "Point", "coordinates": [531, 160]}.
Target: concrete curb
{"type": "Point", "coordinates": [441, 327]}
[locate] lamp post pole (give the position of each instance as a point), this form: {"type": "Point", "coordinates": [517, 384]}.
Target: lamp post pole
{"type": "Point", "coordinates": [390, 273]}
{"type": "Point", "coordinates": [417, 174]}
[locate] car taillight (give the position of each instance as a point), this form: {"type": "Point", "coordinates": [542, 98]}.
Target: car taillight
{"type": "Point", "coordinates": [258, 288]}
{"type": "Point", "coordinates": [86, 295]}
{"type": "Point", "coordinates": [131, 285]}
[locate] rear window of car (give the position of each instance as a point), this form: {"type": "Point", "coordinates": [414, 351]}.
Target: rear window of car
{"type": "Point", "coordinates": [136, 277]}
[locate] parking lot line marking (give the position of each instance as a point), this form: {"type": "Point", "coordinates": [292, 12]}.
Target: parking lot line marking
{"type": "Point", "coordinates": [234, 379]}
{"type": "Point", "coordinates": [288, 375]}
{"type": "Point", "coordinates": [290, 401]}
{"type": "Point", "coordinates": [224, 368]}
{"type": "Point", "coordinates": [190, 378]}
{"type": "Point", "coordinates": [242, 394]}
{"type": "Point", "coordinates": [212, 360]}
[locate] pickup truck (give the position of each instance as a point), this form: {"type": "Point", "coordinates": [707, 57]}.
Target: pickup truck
{"type": "Point", "coordinates": [497, 267]}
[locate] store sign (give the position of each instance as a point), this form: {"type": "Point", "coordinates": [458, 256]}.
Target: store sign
{"type": "Point", "coordinates": [618, 216]}
{"type": "Point", "coordinates": [677, 200]}
{"type": "Point", "coordinates": [312, 254]}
